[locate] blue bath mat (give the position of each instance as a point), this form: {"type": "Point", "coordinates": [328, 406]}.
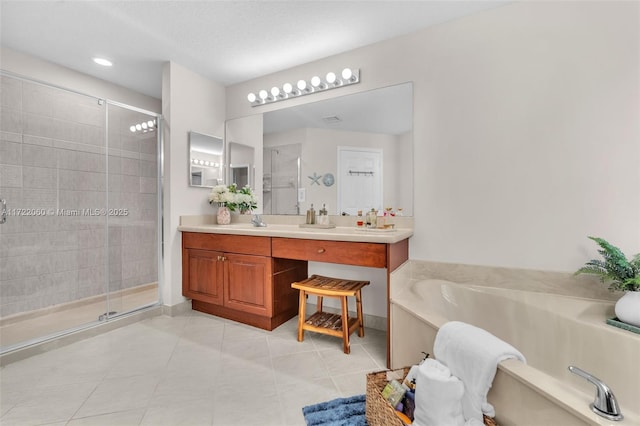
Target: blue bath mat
{"type": "Point", "coordinates": [337, 412]}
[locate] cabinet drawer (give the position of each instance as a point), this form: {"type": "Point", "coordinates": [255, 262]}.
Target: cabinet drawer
{"type": "Point", "coordinates": [242, 244]}
{"type": "Point", "coordinates": [348, 253]}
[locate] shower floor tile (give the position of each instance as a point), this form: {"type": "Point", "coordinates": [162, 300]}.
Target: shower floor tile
{"type": "Point", "coordinates": [32, 326]}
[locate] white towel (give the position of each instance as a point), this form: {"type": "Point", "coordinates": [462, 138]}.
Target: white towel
{"type": "Point", "coordinates": [472, 354]}
{"type": "Point", "coordinates": [438, 396]}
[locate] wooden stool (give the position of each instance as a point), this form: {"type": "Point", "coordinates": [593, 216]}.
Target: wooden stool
{"type": "Point", "coordinates": [324, 322]}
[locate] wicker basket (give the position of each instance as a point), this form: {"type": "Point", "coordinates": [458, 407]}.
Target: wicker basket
{"type": "Point", "coordinates": [378, 411]}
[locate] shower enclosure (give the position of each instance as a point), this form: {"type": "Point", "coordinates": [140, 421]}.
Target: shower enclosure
{"type": "Point", "coordinates": [79, 180]}
{"type": "Point", "coordinates": [281, 179]}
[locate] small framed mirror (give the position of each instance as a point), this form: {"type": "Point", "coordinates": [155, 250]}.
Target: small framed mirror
{"type": "Point", "coordinates": [206, 160]}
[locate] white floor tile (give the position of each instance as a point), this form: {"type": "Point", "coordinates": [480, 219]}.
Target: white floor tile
{"type": "Point", "coordinates": [192, 369]}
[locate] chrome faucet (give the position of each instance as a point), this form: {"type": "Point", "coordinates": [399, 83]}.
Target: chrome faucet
{"type": "Point", "coordinates": [605, 404]}
{"type": "Point", "coordinates": [257, 221]}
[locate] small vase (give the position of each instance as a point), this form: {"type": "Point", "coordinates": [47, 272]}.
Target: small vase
{"type": "Point", "coordinates": [628, 308]}
{"type": "Point", "coordinates": [224, 215]}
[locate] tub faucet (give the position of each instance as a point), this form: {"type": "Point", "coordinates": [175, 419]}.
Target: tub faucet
{"type": "Point", "coordinates": [605, 404]}
{"type": "Point", "coordinates": [257, 221]}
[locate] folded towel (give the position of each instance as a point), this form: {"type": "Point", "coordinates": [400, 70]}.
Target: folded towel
{"type": "Point", "coordinates": [472, 354]}
{"type": "Point", "coordinates": [438, 396]}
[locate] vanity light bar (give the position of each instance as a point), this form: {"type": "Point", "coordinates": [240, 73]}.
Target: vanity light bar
{"type": "Point", "coordinates": [205, 163]}
{"type": "Point", "coordinates": [347, 77]}
{"type": "Point", "coordinates": [145, 126]}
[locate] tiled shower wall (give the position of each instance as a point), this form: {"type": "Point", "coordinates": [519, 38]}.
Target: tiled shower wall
{"type": "Point", "coordinates": [53, 164]}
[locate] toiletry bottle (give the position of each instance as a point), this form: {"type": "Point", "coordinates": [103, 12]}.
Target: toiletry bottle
{"type": "Point", "coordinates": [360, 220]}
{"type": "Point", "coordinates": [372, 218]}
{"type": "Point", "coordinates": [323, 218]}
{"type": "Point", "coordinates": [311, 216]}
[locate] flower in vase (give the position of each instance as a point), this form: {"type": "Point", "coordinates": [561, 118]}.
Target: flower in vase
{"type": "Point", "coordinates": [230, 196]}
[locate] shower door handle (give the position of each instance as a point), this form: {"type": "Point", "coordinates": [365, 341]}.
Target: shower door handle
{"type": "Point", "coordinates": [3, 212]}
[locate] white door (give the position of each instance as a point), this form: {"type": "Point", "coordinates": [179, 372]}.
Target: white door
{"type": "Point", "coordinates": [359, 179]}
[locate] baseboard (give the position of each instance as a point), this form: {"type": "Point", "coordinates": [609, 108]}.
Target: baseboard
{"type": "Point", "coordinates": [175, 310]}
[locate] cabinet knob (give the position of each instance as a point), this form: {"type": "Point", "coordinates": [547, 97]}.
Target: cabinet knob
{"type": "Point", "coordinates": [223, 258]}
{"type": "Point", "coordinates": [321, 250]}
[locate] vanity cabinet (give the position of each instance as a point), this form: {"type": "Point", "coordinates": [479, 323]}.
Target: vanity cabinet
{"type": "Point", "coordinates": [235, 277]}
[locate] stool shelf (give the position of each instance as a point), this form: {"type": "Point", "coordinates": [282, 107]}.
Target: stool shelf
{"type": "Point", "coordinates": [325, 322]}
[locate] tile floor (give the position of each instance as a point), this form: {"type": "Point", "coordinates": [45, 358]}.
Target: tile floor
{"type": "Point", "coordinates": [193, 369]}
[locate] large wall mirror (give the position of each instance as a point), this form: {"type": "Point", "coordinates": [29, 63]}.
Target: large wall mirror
{"type": "Point", "coordinates": [350, 153]}
{"type": "Point", "coordinates": [206, 160]}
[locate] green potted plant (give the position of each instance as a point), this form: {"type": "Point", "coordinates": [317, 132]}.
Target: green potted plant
{"type": "Point", "coordinates": [621, 274]}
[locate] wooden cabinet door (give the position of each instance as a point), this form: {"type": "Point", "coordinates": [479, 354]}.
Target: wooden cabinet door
{"type": "Point", "coordinates": [205, 276]}
{"type": "Point", "coordinates": [248, 284]}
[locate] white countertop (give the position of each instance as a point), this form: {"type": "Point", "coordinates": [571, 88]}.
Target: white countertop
{"type": "Point", "coordinates": [339, 233]}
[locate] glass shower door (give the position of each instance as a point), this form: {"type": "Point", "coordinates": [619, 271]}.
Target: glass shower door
{"type": "Point", "coordinates": [53, 176]}
{"type": "Point", "coordinates": [133, 206]}
{"type": "Point", "coordinates": [79, 243]}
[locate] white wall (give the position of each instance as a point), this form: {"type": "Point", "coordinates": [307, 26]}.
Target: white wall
{"type": "Point", "coordinates": [526, 135]}
{"type": "Point", "coordinates": [189, 102]}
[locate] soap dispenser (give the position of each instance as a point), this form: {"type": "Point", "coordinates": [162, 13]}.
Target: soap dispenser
{"type": "Point", "coordinates": [323, 217]}
{"type": "Point", "coordinates": [311, 216]}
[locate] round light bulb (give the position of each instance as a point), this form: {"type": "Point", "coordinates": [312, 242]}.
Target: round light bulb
{"type": "Point", "coordinates": [288, 88]}
{"type": "Point", "coordinates": [302, 84]}
{"type": "Point", "coordinates": [263, 94]}
{"type": "Point", "coordinates": [251, 97]}
{"type": "Point", "coordinates": [331, 78]}
{"type": "Point", "coordinates": [206, 163]}
{"type": "Point", "coordinates": [132, 128]}
{"type": "Point", "coordinates": [315, 81]}
{"type": "Point", "coordinates": [138, 127]}
{"type": "Point", "coordinates": [150, 123]}
{"type": "Point", "coordinates": [347, 73]}
{"type": "Point", "coordinates": [275, 91]}
{"type": "Point", "coordinates": [144, 125]}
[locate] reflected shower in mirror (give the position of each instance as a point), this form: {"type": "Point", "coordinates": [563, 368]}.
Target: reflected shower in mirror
{"type": "Point", "coordinates": [206, 160]}
{"type": "Point", "coordinates": [241, 164]}
{"type": "Point", "coordinates": [372, 124]}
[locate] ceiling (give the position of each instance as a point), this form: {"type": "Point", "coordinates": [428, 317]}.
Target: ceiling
{"type": "Point", "coordinates": [225, 41]}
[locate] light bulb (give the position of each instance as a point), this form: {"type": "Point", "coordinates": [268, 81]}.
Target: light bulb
{"type": "Point", "coordinates": [150, 123]}
{"type": "Point", "coordinates": [132, 128]}
{"type": "Point", "coordinates": [331, 78]}
{"type": "Point", "coordinates": [275, 91]}
{"type": "Point", "coordinates": [206, 163]}
{"type": "Point", "coordinates": [138, 127]}
{"type": "Point", "coordinates": [302, 84]}
{"type": "Point", "coordinates": [263, 94]}
{"type": "Point", "coordinates": [347, 73]}
{"type": "Point", "coordinates": [144, 125]}
{"type": "Point", "coordinates": [315, 81]}
{"type": "Point", "coordinates": [251, 97]}
{"type": "Point", "coordinates": [287, 87]}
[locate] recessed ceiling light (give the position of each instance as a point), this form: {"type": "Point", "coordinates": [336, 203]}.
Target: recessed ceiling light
{"type": "Point", "coordinates": [103, 62]}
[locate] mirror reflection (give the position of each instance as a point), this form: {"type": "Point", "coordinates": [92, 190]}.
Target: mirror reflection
{"type": "Point", "coordinates": [241, 164]}
{"type": "Point", "coordinates": [350, 153]}
{"type": "Point", "coordinates": [206, 160]}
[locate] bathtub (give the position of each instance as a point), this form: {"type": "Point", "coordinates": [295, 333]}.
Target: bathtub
{"type": "Point", "coordinates": [552, 331]}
